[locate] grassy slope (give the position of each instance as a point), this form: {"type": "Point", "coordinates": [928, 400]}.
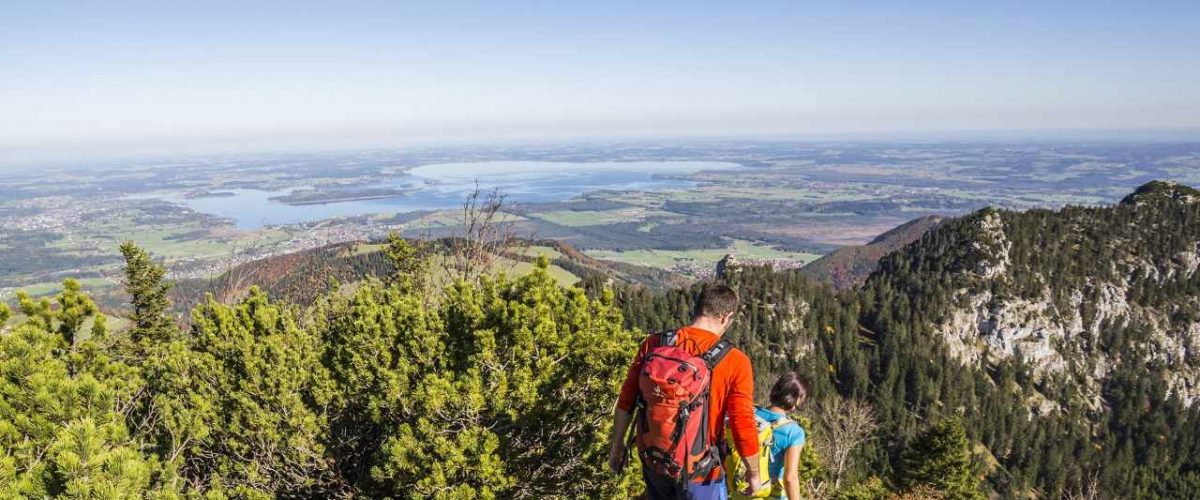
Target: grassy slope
{"type": "Point", "coordinates": [667, 258]}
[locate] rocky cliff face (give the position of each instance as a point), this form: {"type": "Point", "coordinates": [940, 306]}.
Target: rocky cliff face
{"type": "Point", "coordinates": [1059, 343]}
{"type": "Point", "coordinates": [1072, 295]}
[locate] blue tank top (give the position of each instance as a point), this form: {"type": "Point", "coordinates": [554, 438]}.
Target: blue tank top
{"type": "Point", "coordinates": [785, 437]}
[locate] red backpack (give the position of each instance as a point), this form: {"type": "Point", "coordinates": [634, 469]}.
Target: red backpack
{"type": "Point", "coordinates": [673, 399]}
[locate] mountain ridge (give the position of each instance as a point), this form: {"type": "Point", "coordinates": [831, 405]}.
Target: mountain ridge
{"type": "Point", "coordinates": [848, 267]}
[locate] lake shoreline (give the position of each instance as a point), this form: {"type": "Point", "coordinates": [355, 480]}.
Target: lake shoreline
{"type": "Point", "coordinates": [443, 186]}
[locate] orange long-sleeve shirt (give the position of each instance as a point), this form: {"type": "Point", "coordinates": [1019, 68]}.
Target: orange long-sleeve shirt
{"type": "Point", "coordinates": [731, 394]}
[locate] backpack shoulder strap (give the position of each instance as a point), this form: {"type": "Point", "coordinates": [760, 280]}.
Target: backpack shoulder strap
{"type": "Point", "coordinates": [716, 353]}
{"type": "Point", "coordinates": [780, 422]}
{"type": "Point", "coordinates": [668, 337]}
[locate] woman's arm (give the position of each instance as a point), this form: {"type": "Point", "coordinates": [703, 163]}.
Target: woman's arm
{"type": "Point", "coordinates": [791, 471]}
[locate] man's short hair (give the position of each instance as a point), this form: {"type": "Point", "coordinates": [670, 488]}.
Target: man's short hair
{"type": "Point", "coordinates": [716, 301]}
{"type": "Point", "coordinates": [789, 392]}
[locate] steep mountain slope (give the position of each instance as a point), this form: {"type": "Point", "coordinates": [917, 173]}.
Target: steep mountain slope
{"type": "Point", "coordinates": [849, 267]}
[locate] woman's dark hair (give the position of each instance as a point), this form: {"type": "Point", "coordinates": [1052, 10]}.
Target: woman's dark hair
{"type": "Point", "coordinates": [789, 392]}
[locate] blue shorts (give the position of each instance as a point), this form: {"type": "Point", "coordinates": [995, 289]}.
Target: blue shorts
{"type": "Point", "coordinates": [665, 488]}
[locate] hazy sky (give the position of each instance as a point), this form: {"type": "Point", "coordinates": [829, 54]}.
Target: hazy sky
{"type": "Point", "coordinates": [132, 76]}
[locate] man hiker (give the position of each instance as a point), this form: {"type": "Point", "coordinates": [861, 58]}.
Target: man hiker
{"type": "Point", "coordinates": [682, 388]}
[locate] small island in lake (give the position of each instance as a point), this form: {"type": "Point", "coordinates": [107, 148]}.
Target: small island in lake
{"type": "Point", "coordinates": [204, 193]}
{"type": "Point", "coordinates": [318, 196]}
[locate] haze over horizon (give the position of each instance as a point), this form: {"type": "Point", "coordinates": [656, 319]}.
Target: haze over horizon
{"type": "Point", "coordinates": [79, 79]}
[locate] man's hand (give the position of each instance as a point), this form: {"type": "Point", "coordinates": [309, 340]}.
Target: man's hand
{"type": "Point", "coordinates": [754, 483]}
{"type": "Point", "coordinates": [751, 476]}
{"type": "Point", "coordinates": [616, 448]}
{"type": "Point", "coordinates": [616, 457]}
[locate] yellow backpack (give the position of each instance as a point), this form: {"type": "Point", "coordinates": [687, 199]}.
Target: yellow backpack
{"type": "Point", "coordinates": [735, 470]}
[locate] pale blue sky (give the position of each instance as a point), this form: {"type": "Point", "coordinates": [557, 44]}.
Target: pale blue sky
{"type": "Point", "coordinates": [133, 76]}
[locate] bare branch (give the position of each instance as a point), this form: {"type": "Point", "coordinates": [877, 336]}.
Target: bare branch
{"type": "Point", "coordinates": [1088, 489]}
{"type": "Point", "coordinates": [486, 232]}
{"type": "Point", "coordinates": [845, 424]}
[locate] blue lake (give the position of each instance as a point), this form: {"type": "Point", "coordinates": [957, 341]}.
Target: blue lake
{"type": "Point", "coordinates": [444, 185]}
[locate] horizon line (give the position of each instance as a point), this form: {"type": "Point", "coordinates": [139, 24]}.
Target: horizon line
{"type": "Point", "coordinates": [138, 150]}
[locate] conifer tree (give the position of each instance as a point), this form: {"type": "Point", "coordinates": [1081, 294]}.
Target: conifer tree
{"type": "Point", "coordinates": [89, 461]}
{"type": "Point", "coordinates": [147, 288]}
{"type": "Point", "coordinates": [492, 395]}
{"type": "Point", "coordinates": [39, 312]}
{"type": "Point", "coordinates": [74, 308]}
{"type": "Point", "coordinates": [240, 404]}
{"type": "Point", "coordinates": [62, 430]}
{"type": "Point", "coordinates": [941, 458]}
{"type": "Point", "coordinates": [410, 262]}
